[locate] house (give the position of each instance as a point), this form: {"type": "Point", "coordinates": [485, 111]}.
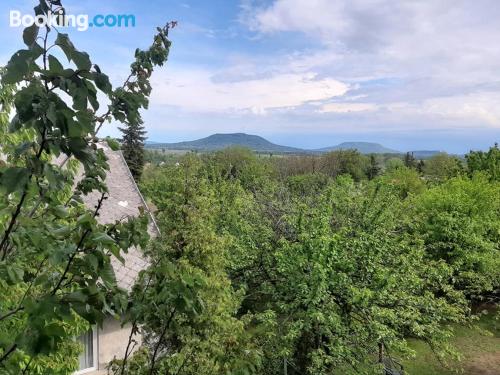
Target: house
{"type": "Point", "coordinates": [101, 345]}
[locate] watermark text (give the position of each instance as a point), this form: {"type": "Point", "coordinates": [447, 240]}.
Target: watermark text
{"type": "Point", "coordinates": [81, 22]}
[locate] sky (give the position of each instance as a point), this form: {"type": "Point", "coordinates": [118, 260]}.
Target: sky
{"type": "Point", "coordinates": [412, 75]}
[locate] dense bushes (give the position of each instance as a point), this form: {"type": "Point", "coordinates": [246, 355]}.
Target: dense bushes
{"type": "Point", "coordinates": [312, 265]}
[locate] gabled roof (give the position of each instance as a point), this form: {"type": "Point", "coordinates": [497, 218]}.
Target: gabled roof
{"type": "Point", "coordinates": [124, 200]}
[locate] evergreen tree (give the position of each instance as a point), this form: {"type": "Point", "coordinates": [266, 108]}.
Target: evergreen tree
{"type": "Point", "coordinates": [421, 166]}
{"type": "Point", "coordinates": [374, 168]}
{"type": "Point", "coordinates": [410, 160]}
{"type": "Point", "coordinates": [133, 139]}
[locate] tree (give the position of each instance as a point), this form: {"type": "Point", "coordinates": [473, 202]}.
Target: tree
{"type": "Point", "coordinates": [410, 161]}
{"type": "Point", "coordinates": [459, 223]}
{"type": "Point", "coordinates": [442, 166]}
{"type": "Point", "coordinates": [488, 162]}
{"type": "Point", "coordinates": [56, 276]}
{"type": "Point", "coordinates": [186, 304]}
{"type": "Point", "coordinates": [132, 142]}
{"type": "Point", "coordinates": [374, 168]}
{"type": "Point", "coordinates": [314, 273]}
{"type": "Point", "coordinates": [405, 181]}
{"type": "Point", "coordinates": [421, 166]}
{"type": "Point", "coordinates": [340, 162]}
{"type": "Point", "coordinates": [394, 163]}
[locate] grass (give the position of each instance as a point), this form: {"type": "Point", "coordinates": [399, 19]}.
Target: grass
{"type": "Point", "coordinates": [480, 352]}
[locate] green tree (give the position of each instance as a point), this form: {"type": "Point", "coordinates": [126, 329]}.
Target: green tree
{"type": "Point", "coordinates": [374, 168]}
{"type": "Point", "coordinates": [132, 144]}
{"type": "Point", "coordinates": [460, 224]}
{"type": "Point", "coordinates": [488, 162]}
{"type": "Point", "coordinates": [340, 162]}
{"type": "Point", "coordinates": [340, 280]}
{"type": "Point", "coordinates": [405, 181]}
{"type": "Point", "coordinates": [410, 161]}
{"type": "Point", "coordinates": [56, 276]}
{"type": "Point", "coordinates": [187, 310]}
{"type": "Point", "coordinates": [442, 166]}
{"type": "Point", "coordinates": [308, 272]}
{"type": "Point", "coordinates": [394, 163]}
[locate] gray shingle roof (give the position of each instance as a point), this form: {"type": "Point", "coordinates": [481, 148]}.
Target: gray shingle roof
{"type": "Point", "coordinates": [124, 200]}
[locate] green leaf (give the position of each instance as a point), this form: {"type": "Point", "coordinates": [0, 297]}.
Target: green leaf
{"type": "Point", "coordinates": [17, 67]}
{"type": "Point", "coordinates": [77, 296]}
{"type": "Point", "coordinates": [102, 82]}
{"type": "Point", "coordinates": [14, 179]}
{"type": "Point", "coordinates": [41, 9]}
{"type": "Point", "coordinates": [62, 232]}
{"type": "Point", "coordinates": [92, 261]}
{"type": "Point", "coordinates": [15, 124]}
{"type": "Point", "coordinates": [85, 121]}
{"type": "Point", "coordinates": [86, 218]}
{"type": "Point", "coordinates": [82, 60]}
{"type": "Point", "coordinates": [80, 99]}
{"type": "Point", "coordinates": [52, 114]}
{"type": "Point", "coordinates": [55, 66]}
{"type": "Point", "coordinates": [108, 275]}
{"type": "Point", "coordinates": [15, 274]}
{"type": "Point", "coordinates": [113, 143]}
{"type": "Point", "coordinates": [60, 212]}
{"type": "Point", "coordinates": [30, 34]}
{"type": "Point", "coordinates": [103, 239]}
{"type": "Point", "coordinates": [66, 45]}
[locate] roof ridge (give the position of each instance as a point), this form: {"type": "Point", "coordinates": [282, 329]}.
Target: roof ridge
{"type": "Point", "coordinates": [139, 192]}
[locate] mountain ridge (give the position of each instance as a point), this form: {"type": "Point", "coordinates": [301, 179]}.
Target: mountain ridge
{"type": "Point", "coordinates": [219, 141]}
{"type": "Point", "coordinates": [362, 147]}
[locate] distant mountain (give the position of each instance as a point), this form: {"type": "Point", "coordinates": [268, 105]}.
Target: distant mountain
{"type": "Point", "coordinates": [259, 144]}
{"type": "Point", "coordinates": [425, 154]}
{"type": "Point", "coordinates": [362, 147]}
{"type": "Point", "coordinates": [221, 141]}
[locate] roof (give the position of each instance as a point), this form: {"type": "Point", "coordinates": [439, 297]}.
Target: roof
{"type": "Point", "coordinates": [124, 201]}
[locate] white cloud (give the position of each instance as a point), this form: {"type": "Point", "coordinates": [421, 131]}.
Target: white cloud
{"type": "Point", "coordinates": [195, 90]}
{"type": "Point", "coordinates": [443, 56]}
{"type": "Point", "coordinates": [348, 107]}
{"type": "Point", "coordinates": [293, 15]}
{"type": "Point", "coordinates": [476, 106]}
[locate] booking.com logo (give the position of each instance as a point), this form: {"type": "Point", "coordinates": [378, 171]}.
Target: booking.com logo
{"type": "Point", "coordinates": [82, 22]}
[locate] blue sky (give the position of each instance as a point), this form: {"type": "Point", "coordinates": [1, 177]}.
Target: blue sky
{"type": "Point", "coordinates": [308, 73]}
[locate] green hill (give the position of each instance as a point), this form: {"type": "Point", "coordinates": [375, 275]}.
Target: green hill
{"type": "Point", "coordinates": [221, 141]}
{"type": "Point", "coordinates": [362, 147]}
{"type": "Point", "coordinates": [256, 143]}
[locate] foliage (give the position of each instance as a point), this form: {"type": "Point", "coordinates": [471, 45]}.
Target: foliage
{"type": "Point", "coordinates": [340, 162]}
{"type": "Point", "coordinates": [488, 162]}
{"type": "Point", "coordinates": [311, 264]}
{"type": "Point", "coordinates": [410, 161]}
{"type": "Point", "coordinates": [134, 95]}
{"type": "Point", "coordinates": [404, 181]}
{"type": "Point", "coordinates": [132, 141]}
{"type": "Point", "coordinates": [56, 276]}
{"type": "Point", "coordinates": [394, 163]}
{"type": "Point", "coordinates": [459, 222]}
{"type": "Point", "coordinates": [193, 326]}
{"type": "Point", "coordinates": [374, 168]}
{"type": "Point", "coordinates": [441, 167]}
{"type": "Point", "coordinates": [316, 273]}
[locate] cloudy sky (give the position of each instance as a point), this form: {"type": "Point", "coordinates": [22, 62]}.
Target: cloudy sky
{"type": "Point", "coordinates": [416, 74]}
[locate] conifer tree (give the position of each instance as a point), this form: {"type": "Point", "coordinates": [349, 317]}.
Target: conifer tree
{"type": "Point", "coordinates": [133, 139]}
{"type": "Point", "coordinates": [374, 168]}
{"type": "Point", "coordinates": [410, 160]}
